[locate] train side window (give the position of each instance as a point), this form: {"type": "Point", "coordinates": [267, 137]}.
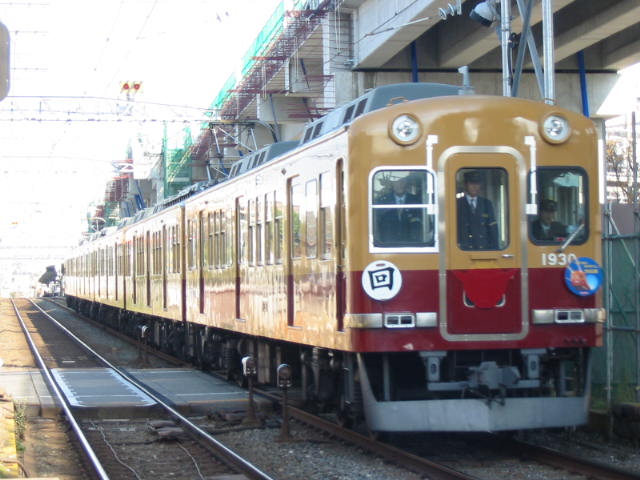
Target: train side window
{"type": "Point", "coordinates": [295, 220]}
{"type": "Point", "coordinates": [210, 245]}
{"type": "Point", "coordinates": [202, 240]}
{"type": "Point", "coordinates": [482, 207]}
{"type": "Point", "coordinates": [175, 249]}
{"type": "Point", "coordinates": [268, 228]}
{"type": "Point", "coordinates": [168, 248]}
{"type": "Point", "coordinates": [327, 204]}
{"type": "Point", "coordinates": [402, 213]}
{"type": "Point", "coordinates": [242, 230]}
{"type": "Point", "coordinates": [259, 220]}
{"type": "Point", "coordinates": [223, 241]}
{"type": "Point", "coordinates": [139, 256]}
{"type": "Point", "coordinates": [278, 226]}
{"type": "Point", "coordinates": [310, 221]}
{"type": "Point", "coordinates": [158, 253]}
{"type": "Point", "coordinates": [562, 206]}
{"type": "Point", "coordinates": [191, 244]}
{"type": "Point", "coordinates": [154, 254]}
{"type": "Point", "coordinates": [251, 235]}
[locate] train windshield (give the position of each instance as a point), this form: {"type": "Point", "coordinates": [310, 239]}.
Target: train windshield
{"type": "Point", "coordinates": [562, 204]}
{"type": "Point", "coordinates": [402, 208]}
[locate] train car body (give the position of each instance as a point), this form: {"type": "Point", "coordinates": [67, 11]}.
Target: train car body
{"type": "Point", "coordinates": [398, 259]}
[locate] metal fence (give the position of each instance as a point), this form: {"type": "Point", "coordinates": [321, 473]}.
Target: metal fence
{"type": "Point", "coordinates": [616, 366]}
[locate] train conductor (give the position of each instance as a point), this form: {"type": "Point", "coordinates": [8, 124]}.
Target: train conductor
{"type": "Point", "coordinates": [477, 227]}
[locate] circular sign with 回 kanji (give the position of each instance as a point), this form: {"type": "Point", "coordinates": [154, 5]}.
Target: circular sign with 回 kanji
{"type": "Point", "coordinates": [381, 280]}
{"type": "Point", "coordinates": [583, 276]}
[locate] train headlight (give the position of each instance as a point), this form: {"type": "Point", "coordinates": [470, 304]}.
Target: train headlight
{"type": "Point", "coordinates": [555, 128]}
{"type": "Point", "coordinates": [405, 129]}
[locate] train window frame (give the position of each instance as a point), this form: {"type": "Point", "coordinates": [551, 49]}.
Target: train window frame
{"type": "Point", "coordinates": [430, 208]}
{"type": "Point", "coordinates": [542, 195]}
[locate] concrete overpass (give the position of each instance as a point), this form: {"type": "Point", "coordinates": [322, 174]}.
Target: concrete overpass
{"type": "Point", "coordinates": [359, 44]}
{"type": "Point", "coordinates": [318, 54]}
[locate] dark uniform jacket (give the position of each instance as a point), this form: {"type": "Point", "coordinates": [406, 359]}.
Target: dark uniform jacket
{"type": "Point", "coordinates": [556, 231]}
{"type": "Point", "coordinates": [398, 225]}
{"type": "Point", "coordinates": [477, 230]}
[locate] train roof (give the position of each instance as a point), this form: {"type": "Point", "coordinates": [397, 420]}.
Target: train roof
{"type": "Point", "coordinates": [375, 99]}
{"type": "Point", "coordinates": [260, 157]}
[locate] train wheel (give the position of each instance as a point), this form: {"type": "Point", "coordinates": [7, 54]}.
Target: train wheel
{"type": "Point", "coordinates": [344, 415]}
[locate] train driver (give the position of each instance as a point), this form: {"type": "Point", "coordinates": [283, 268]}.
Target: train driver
{"type": "Point", "coordinates": [477, 227]}
{"type": "Point", "coordinates": [399, 225]}
{"type": "Point", "coordinates": [545, 227]}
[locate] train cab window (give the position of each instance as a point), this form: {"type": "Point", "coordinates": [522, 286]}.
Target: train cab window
{"type": "Point", "coordinates": [562, 206]}
{"type": "Point", "coordinates": [402, 211]}
{"type": "Point", "coordinates": [482, 208]}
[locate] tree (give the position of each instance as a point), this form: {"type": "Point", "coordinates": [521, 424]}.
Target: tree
{"type": "Point", "coordinates": [621, 184]}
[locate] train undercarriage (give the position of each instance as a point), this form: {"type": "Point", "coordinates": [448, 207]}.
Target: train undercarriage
{"type": "Point", "coordinates": [461, 390]}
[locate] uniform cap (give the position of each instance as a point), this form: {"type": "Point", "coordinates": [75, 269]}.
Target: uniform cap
{"type": "Point", "coordinates": [473, 177]}
{"type": "Point", "coordinates": [548, 205]}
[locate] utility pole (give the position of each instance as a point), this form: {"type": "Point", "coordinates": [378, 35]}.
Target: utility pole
{"type": "Point", "coordinates": [4, 61]}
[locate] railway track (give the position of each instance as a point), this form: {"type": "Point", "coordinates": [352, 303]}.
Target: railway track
{"type": "Point", "coordinates": [436, 470]}
{"type": "Point", "coordinates": [171, 446]}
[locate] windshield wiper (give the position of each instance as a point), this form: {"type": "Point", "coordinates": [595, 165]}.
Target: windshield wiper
{"type": "Point", "coordinates": [570, 239]}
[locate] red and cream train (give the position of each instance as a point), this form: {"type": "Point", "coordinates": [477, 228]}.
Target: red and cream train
{"type": "Point", "coordinates": [402, 314]}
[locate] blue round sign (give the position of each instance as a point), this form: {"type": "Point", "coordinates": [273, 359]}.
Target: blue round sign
{"type": "Point", "coordinates": [583, 276]}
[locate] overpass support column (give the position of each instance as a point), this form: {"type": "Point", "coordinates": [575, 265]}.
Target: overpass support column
{"type": "Point", "coordinates": [583, 84]}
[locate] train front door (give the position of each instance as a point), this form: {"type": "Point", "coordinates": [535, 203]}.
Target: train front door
{"type": "Point", "coordinates": [483, 241]}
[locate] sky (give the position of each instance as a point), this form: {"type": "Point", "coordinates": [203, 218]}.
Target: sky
{"type": "Point", "coordinates": [70, 55]}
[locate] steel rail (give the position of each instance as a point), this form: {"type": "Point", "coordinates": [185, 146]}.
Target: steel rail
{"type": "Point", "coordinates": [122, 336]}
{"type": "Point", "coordinates": [434, 471]}
{"type": "Point", "coordinates": [566, 461]}
{"type": "Point", "coordinates": [86, 447]}
{"type": "Point", "coordinates": [226, 454]}
{"type": "Point", "coordinates": [587, 467]}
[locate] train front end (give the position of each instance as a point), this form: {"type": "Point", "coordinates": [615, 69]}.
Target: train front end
{"type": "Point", "coordinates": [473, 260]}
